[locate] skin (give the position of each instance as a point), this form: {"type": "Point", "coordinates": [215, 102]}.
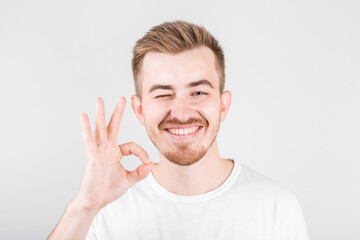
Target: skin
{"type": "Point", "coordinates": [188, 165]}
{"type": "Point", "coordinates": [104, 179]}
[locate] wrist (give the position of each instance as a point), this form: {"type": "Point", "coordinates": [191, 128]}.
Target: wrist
{"type": "Point", "coordinates": [77, 208]}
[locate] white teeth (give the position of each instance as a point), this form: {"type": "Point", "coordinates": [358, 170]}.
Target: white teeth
{"type": "Point", "coordinates": [183, 131]}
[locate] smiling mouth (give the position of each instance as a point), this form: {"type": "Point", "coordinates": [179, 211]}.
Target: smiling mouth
{"type": "Point", "coordinates": [183, 131]}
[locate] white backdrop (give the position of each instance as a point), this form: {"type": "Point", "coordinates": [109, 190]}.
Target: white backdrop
{"type": "Point", "coordinates": [292, 67]}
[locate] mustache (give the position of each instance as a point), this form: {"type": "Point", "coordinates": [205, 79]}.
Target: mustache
{"type": "Point", "coordinates": [176, 121]}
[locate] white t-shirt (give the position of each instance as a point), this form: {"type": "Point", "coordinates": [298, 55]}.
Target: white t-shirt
{"type": "Point", "coordinates": [246, 206]}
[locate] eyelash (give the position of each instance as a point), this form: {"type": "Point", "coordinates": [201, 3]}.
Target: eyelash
{"type": "Point", "coordinates": [202, 93]}
{"type": "Point", "coordinates": [168, 95]}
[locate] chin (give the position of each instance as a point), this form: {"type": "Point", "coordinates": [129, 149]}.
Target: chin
{"type": "Point", "coordinates": [184, 157]}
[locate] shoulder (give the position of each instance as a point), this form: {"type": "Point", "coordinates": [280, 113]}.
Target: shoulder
{"type": "Point", "coordinates": [265, 190]}
{"type": "Point", "coordinates": [270, 198]}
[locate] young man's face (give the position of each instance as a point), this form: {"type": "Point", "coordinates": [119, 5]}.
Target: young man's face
{"type": "Point", "coordinates": [181, 105]}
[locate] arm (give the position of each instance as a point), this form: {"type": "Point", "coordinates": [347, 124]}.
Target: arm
{"type": "Point", "coordinates": [74, 224]}
{"type": "Point", "coordinates": [105, 179]}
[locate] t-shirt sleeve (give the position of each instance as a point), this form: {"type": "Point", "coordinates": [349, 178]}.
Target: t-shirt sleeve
{"type": "Point", "coordinates": [295, 227]}
{"type": "Point", "coordinates": [91, 235]}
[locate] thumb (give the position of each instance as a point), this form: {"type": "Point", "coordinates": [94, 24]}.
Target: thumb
{"type": "Point", "coordinates": [140, 173]}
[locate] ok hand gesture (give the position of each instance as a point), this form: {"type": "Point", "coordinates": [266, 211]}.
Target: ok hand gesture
{"type": "Point", "coordinates": [105, 179]}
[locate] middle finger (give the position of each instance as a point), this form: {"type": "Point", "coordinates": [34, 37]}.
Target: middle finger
{"type": "Point", "coordinates": [100, 122]}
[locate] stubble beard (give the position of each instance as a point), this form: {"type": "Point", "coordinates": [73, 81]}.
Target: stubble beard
{"type": "Point", "coordinates": [182, 154]}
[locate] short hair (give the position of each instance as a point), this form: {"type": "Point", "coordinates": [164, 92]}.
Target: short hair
{"type": "Point", "coordinates": [175, 37]}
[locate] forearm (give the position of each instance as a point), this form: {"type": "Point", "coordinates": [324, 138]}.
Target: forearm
{"type": "Point", "coordinates": [74, 224]}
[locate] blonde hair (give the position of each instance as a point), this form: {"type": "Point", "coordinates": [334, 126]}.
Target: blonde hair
{"type": "Point", "coordinates": [175, 37]}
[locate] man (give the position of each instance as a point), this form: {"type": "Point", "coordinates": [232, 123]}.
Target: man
{"type": "Point", "coordinates": [192, 193]}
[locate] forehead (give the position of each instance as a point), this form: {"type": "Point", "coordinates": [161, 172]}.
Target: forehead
{"type": "Point", "coordinates": [179, 69]}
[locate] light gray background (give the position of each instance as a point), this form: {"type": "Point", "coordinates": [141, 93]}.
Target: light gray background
{"type": "Point", "coordinates": [292, 67]}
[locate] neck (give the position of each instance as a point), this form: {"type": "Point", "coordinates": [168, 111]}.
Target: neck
{"type": "Point", "coordinates": [203, 176]}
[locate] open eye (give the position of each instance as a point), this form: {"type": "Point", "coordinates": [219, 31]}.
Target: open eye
{"type": "Point", "coordinates": [197, 93]}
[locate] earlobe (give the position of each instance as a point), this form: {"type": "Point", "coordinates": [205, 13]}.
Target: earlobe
{"type": "Point", "coordinates": [225, 104]}
{"type": "Point", "coordinates": [137, 108]}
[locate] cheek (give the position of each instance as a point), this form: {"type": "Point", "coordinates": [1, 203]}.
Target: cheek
{"type": "Point", "coordinates": [210, 110]}
{"type": "Point", "coordinates": [154, 113]}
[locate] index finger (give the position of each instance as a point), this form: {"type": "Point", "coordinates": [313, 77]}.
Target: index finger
{"type": "Point", "coordinates": [132, 148]}
{"type": "Point", "coordinates": [114, 124]}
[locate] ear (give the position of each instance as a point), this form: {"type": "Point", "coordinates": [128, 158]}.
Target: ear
{"type": "Point", "coordinates": [225, 104]}
{"type": "Point", "coordinates": [137, 107]}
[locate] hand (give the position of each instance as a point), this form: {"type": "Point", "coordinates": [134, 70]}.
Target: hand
{"type": "Point", "coordinates": [105, 179]}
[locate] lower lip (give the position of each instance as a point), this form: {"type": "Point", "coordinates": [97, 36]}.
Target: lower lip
{"type": "Point", "coordinates": [184, 137]}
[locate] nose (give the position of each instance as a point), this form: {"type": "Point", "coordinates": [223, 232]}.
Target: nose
{"type": "Point", "coordinates": [181, 108]}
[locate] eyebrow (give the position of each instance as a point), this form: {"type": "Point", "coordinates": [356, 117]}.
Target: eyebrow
{"type": "Point", "coordinates": [201, 82]}
{"type": "Point", "coordinates": [189, 85]}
